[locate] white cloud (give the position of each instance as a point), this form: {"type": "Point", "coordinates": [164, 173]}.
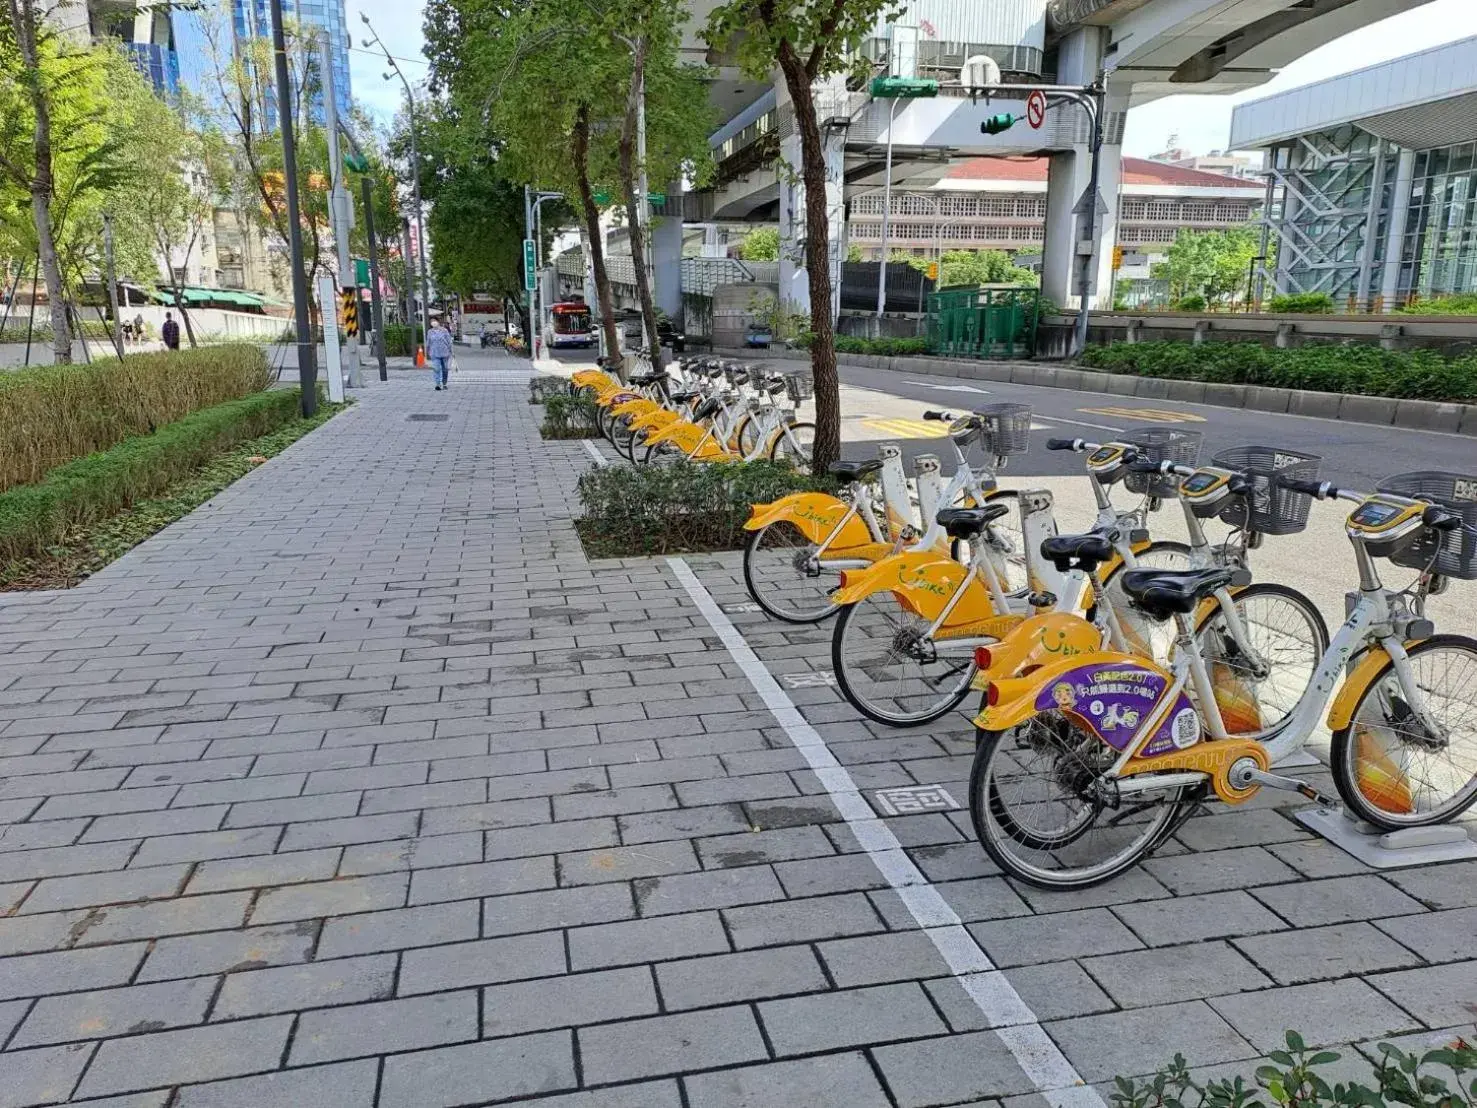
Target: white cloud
{"type": "Point", "coordinates": [1203, 123]}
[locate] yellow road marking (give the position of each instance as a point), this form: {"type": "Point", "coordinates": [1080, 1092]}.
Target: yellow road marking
{"type": "Point", "coordinates": [1149, 415]}
{"type": "Point", "coordinates": [908, 428]}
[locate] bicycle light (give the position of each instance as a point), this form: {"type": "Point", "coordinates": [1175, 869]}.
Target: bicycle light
{"type": "Point", "coordinates": [982, 657]}
{"type": "Point", "coordinates": [992, 694]}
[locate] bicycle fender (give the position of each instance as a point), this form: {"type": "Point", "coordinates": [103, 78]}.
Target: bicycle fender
{"type": "Point", "coordinates": [815, 515]}
{"type": "Point", "coordinates": [1039, 640]}
{"type": "Point", "coordinates": [924, 580]}
{"type": "Point", "coordinates": [1371, 661]}
{"type": "Point", "coordinates": [593, 378]}
{"type": "Point", "coordinates": [1109, 693]}
{"type": "Point", "coordinates": [634, 406]}
{"type": "Point", "coordinates": [658, 418]}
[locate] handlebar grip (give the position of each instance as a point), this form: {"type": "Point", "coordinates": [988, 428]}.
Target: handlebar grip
{"type": "Point", "coordinates": [1144, 465]}
{"type": "Point", "coordinates": [1439, 519]}
{"type": "Point", "coordinates": [938, 417]}
{"type": "Point", "coordinates": [1319, 490]}
{"type": "Point", "coordinates": [1062, 444]}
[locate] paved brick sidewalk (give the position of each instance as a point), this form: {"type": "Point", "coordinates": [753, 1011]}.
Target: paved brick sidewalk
{"type": "Point", "coordinates": [362, 786]}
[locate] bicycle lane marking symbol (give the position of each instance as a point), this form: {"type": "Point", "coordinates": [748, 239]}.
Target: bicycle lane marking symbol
{"type": "Point", "coordinates": [1005, 1012]}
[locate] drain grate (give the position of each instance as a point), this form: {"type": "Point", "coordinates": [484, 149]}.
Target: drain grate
{"type": "Point", "coordinates": [427, 417]}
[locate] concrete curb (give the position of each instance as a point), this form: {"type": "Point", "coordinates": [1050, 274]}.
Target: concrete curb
{"type": "Point", "coordinates": [1383, 411]}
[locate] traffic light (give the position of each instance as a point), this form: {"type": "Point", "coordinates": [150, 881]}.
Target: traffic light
{"type": "Point", "coordinates": [998, 124]}
{"type": "Point", "coordinates": [1117, 258]}
{"type": "Point", "coordinates": [903, 88]}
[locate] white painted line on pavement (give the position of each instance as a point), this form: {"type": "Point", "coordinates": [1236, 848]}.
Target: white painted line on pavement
{"type": "Point", "coordinates": [600, 459]}
{"type": "Point", "coordinates": [1079, 423]}
{"type": "Point", "coordinates": [1011, 1018]}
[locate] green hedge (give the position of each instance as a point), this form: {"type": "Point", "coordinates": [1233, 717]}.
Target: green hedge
{"type": "Point", "coordinates": [682, 507]}
{"type": "Point", "coordinates": [401, 340]}
{"type": "Point", "coordinates": [850, 344]}
{"type": "Point", "coordinates": [570, 417]}
{"type": "Point", "coordinates": [41, 335]}
{"type": "Point", "coordinates": [1458, 303]}
{"type": "Point", "coordinates": [52, 414]}
{"type": "Point", "coordinates": [1302, 303]}
{"type": "Point", "coordinates": [1361, 370]}
{"type": "Point", "coordinates": [33, 517]}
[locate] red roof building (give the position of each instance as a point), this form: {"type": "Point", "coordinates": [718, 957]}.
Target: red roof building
{"type": "Point", "coordinates": [1000, 204]}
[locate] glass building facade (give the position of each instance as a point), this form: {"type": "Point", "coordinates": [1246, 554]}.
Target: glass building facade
{"type": "Point", "coordinates": [252, 19]}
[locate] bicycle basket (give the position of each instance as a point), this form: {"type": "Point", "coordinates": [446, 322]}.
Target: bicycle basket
{"type": "Point", "coordinates": [1007, 429]}
{"type": "Point", "coordinates": [1160, 444]}
{"type": "Point", "coordinates": [1450, 553]}
{"type": "Point", "coordinates": [800, 388]}
{"type": "Point", "coordinates": [1268, 508]}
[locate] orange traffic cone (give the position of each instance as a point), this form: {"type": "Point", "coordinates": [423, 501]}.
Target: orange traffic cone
{"type": "Point", "coordinates": [420, 357]}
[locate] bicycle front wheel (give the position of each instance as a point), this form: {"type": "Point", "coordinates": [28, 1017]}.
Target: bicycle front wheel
{"type": "Point", "coordinates": [1409, 756]}
{"type": "Point", "coordinates": [1040, 815]}
{"type": "Point", "coordinates": [795, 444]}
{"type": "Point", "coordinates": [1287, 639]}
{"type": "Point", "coordinates": [621, 435]}
{"type": "Point", "coordinates": [889, 668]}
{"type": "Point", "coordinates": [779, 575]}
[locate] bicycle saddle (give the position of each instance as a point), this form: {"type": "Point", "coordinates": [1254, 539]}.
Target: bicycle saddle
{"type": "Point", "coordinates": [966, 523]}
{"type": "Point", "coordinates": [854, 471]}
{"type": "Point", "coordinates": [1084, 552]}
{"type": "Point", "coordinates": [1165, 592]}
{"type": "Point", "coordinates": [705, 409]}
{"type": "Point", "coordinates": [681, 396]}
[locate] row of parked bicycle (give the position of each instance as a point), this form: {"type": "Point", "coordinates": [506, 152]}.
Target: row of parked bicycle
{"type": "Point", "coordinates": [712, 410]}
{"type": "Point", "coordinates": [1126, 678]}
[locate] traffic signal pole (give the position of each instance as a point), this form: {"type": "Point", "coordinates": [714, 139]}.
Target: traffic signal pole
{"type": "Point", "coordinates": [1092, 100]}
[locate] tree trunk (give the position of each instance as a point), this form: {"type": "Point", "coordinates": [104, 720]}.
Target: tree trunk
{"type": "Point", "coordinates": [593, 232]}
{"type": "Point", "coordinates": [817, 261]}
{"type": "Point", "coordinates": [43, 185]}
{"type": "Point", "coordinates": [633, 202]}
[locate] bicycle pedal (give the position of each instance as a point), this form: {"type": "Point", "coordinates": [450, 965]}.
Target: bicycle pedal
{"type": "Point", "coordinates": [1289, 784]}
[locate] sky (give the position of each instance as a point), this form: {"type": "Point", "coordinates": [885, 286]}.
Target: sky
{"type": "Point", "coordinates": [1203, 123]}
{"type": "Point", "coordinates": [398, 23]}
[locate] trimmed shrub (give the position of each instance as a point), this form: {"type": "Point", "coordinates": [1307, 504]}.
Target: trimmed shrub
{"type": "Point", "coordinates": [1302, 303]}
{"type": "Point", "coordinates": [1458, 303]}
{"type": "Point", "coordinates": [33, 517]}
{"type": "Point", "coordinates": [401, 339]}
{"type": "Point", "coordinates": [570, 417]}
{"type": "Point", "coordinates": [888, 348]}
{"type": "Point", "coordinates": [678, 508]}
{"type": "Point", "coordinates": [545, 386]}
{"type": "Point", "coordinates": [1360, 370]}
{"type": "Point", "coordinates": [1192, 303]}
{"type": "Point", "coordinates": [53, 414]}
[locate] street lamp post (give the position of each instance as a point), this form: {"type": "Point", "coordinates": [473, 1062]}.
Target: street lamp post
{"type": "Point", "coordinates": [894, 89]}
{"type": "Point", "coordinates": [415, 163]}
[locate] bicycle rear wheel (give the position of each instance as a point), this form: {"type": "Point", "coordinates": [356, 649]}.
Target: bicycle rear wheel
{"type": "Point", "coordinates": [779, 578]}
{"type": "Point", "coordinates": [1040, 814]}
{"type": "Point", "coordinates": [889, 668]}
{"type": "Point", "coordinates": [621, 435]}
{"type": "Point", "coordinates": [1390, 769]}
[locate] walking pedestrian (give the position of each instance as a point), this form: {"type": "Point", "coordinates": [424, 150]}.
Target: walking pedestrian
{"type": "Point", "coordinates": [170, 331]}
{"type": "Point", "coordinates": [138, 328]}
{"type": "Point", "coordinates": [438, 349]}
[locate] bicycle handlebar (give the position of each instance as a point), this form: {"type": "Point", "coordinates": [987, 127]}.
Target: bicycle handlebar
{"type": "Point", "coordinates": [1065, 444]}
{"type": "Point", "coordinates": [938, 417]}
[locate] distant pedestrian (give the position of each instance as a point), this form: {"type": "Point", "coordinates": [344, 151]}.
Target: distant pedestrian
{"type": "Point", "coordinates": [438, 349]}
{"type": "Point", "coordinates": [138, 328]}
{"type": "Point", "coordinates": [170, 331]}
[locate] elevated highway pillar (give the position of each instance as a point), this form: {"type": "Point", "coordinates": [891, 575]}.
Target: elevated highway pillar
{"type": "Point", "coordinates": [1079, 62]}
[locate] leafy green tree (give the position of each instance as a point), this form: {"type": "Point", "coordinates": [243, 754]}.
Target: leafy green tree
{"type": "Point", "coordinates": [984, 267]}
{"type": "Point", "coordinates": [761, 245]}
{"type": "Point", "coordinates": [808, 41]}
{"type": "Point", "coordinates": [1212, 264]}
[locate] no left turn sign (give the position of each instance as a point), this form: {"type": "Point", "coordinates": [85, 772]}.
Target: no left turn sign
{"type": "Point", "coordinates": [1036, 109]}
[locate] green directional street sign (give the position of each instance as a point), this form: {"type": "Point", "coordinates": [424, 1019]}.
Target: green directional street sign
{"type": "Point", "coordinates": [903, 88]}
{"type": "Point", "coordinates": [602, 198]}
{"type": "Point", "coordinates": [361, 272]}
{"type": "Point", "coordinates": [529, 265]}
{"type": "Point", "coordinates": [356, 163]}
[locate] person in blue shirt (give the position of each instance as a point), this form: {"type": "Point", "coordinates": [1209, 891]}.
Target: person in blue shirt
{"type": "Point", "coordinates": [438, 350]}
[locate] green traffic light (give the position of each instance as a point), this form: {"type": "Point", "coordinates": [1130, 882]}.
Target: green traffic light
{"type": "Point", "coordinates": [998, 124]}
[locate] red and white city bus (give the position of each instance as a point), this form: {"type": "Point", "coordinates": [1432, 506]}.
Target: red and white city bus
{"type": "Point", "coordinates": [570, 321]}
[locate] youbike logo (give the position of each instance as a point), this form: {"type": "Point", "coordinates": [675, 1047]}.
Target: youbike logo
{"type": "Point", "coordinates": [913, 577]}
{"type": "Point", "coordinates": [1061, 646]}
